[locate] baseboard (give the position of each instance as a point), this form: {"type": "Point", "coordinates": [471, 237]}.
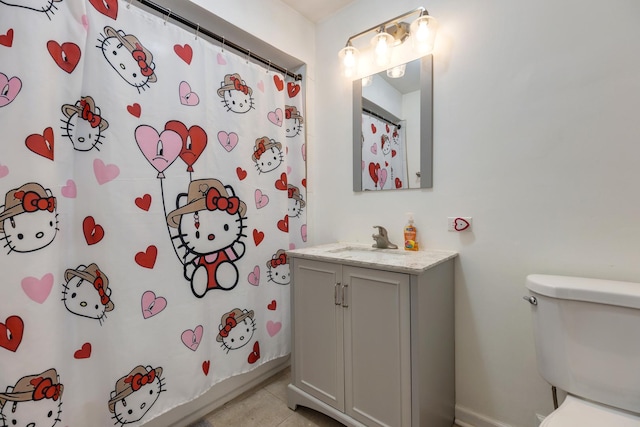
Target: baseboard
{"type": "Point", "coordinates": [467, 418]}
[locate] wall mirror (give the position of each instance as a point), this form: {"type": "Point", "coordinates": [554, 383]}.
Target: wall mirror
{"type": "Point", "coordinates": [393, 128]}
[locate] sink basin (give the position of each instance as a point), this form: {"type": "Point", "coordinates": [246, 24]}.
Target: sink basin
{"type": "Point", "coordinates": [365, 253]}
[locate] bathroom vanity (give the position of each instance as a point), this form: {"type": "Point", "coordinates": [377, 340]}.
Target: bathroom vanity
{"type": "Point", "coordinates": [373, 335]}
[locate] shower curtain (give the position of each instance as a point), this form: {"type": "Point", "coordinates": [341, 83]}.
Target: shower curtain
{"type": "Point", "coordinates": [150, 184]}
{"type": "Point", "coordinates": [384, 161]}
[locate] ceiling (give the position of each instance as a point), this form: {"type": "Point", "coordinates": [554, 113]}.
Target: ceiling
{"type": "Point", "coordinates": [317, 10]}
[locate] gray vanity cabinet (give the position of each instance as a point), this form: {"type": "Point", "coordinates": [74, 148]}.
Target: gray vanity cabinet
{"type": "Point", "coordinates": [373, 347]}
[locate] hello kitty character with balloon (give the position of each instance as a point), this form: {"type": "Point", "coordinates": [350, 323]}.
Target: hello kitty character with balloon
{"type": "Point", "coordinates": [210, 223]}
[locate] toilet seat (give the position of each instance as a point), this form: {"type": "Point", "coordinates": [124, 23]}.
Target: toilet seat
{"type": "Point", "coordinates": [576, 412]}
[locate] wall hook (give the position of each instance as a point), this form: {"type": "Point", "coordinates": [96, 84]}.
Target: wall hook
{"type": "Point", "coordinates": [166, 18]}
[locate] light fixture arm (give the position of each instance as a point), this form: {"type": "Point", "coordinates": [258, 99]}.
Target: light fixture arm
{"type": "Point", "coordinates": [421, 10]}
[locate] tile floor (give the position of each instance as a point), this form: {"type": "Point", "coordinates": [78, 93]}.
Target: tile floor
{"type": "Point", "coordinates": [266, 406]}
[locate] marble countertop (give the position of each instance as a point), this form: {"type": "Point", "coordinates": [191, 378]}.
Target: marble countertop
{"type": "Point", "coordinates": [363, 255]}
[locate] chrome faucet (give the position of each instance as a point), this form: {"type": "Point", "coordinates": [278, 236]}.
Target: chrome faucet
{"type": "Point", "coordinates": [382, 239]}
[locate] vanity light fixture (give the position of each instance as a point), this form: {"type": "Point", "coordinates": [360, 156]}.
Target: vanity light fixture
{"type": "Point", "coordinates": [389, 34]}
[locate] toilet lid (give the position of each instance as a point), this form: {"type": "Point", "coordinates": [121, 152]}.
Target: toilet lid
{"type": "Point", "coordinates": [576, 412]}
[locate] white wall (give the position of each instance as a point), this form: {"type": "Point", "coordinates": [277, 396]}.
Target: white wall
{"type": "Point", "coordinates": [537, 137]}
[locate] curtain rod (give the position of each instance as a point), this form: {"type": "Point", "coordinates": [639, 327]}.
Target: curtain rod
{"type": "Point", "coordinates": [371, 113]}
{"type": "Point", "coordinates": [169, 14]}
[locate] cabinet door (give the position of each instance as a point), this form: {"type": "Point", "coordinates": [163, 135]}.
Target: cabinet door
{"type": "Point", "coordinates": [318, 323]}
{"type": "Point", "coordinates": [377, 347]}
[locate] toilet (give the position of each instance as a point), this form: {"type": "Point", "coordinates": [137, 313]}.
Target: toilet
{"type": "Point", "coordinates": [587, 339]}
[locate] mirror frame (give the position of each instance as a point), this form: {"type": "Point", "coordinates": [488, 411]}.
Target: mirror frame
{"type": "Point", "coordinates": [426, 127]}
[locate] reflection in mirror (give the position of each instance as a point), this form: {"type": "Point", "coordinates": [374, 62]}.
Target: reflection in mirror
{"type": "Point", "coordinates": [392, 122]}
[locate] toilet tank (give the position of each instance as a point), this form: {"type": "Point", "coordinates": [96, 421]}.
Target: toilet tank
{"type": "Point", "coordinates": [587, 337]}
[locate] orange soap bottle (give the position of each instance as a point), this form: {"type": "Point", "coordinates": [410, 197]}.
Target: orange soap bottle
{"type": "Point", "coordinates": [410, 235]}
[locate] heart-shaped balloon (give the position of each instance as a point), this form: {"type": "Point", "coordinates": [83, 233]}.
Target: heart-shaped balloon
{"type": "Point", "coordinates": [193, 141]}
{"type": "Point", "coordinates": [382, 177]}
{"type": "Point", "coordinates": [160, 149]}
{"type": "Point", "coordinates": [373, 172]}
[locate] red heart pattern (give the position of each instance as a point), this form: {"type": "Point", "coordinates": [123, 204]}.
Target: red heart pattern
{"type": "Point", "coordinates": [93, 233]}
{"type": "Point", "coordinates": [283, 224]}
{"type": "Point", "coordinates": [66, 55]}
{"type": "Point", "coordinates": [205, 367]}
{"type": "Point", "coordinates": [258, 237]}
{"type": "Point", "coordinates": [184, 52]}
{"type": "Point", "coordinates": [272, 305]}
{"type": "Point", "coordinates": [43, 144]}
{"type": "Point", "coordinates": [281, 184]}
{"type": "Point", "coordinates": [278, 82]}
{"type": "Point", "coordinates": [242, 174]}
{"type": "Point", "coordinates": [398, 183]}
{"type": "Point", "coordinates": [106, 7]}
{"type": "Point", "coordinates": [373, 128]}
{"type": "Point", "coordinates": [135, 110]}
{"type": "Point", "coordinates": [144, 202]}
{"type": "Point", "coordinates": [255, 354]}
{"type": "Point", "coordinates": [373, 172]}
{"type": "Point", "coordinates": [147, 259]}
{"type": "Point", "coordinates": [7, 39]}
{"type": "Point", "coordinates": [84, 352]}
{"type": "Point", "coordinates": [11, 332]}
{"type": "Point", "coordinates": [292, 89]}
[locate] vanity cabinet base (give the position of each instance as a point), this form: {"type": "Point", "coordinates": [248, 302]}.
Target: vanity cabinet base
{"type": "Point", "coordinates": [373, 347]}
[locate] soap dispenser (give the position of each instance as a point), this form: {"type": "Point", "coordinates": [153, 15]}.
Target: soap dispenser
{"type": "Point", "coordinates": [410, 235]}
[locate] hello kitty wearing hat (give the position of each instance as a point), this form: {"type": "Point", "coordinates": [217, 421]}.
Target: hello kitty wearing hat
{"type": "Point", "coordinates": [84, 124]}
{"type": "Point", "coordinates": [86, 292]}
{"type": "Point", "coordinates": [236, 94]}
{"type": "Point", "coordinates": [28, 218]}
{"type": "Point", "coordinates": [35, 400]}
{"type": "Point", "coordinates": [135, 394]}
{"type": "Point", "coordinates": [209, 219]}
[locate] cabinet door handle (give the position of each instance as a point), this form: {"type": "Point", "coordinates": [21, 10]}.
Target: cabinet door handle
{"type": "Point", "coordinates": [337, 295]}
{"type": "Point", "coordinates": [345, 295]}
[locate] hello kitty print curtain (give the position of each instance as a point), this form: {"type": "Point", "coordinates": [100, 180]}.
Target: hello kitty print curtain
{"type": "Point", "coordinates": [150, 184]}
{"type": "Point", "coordinates": [384, 161]}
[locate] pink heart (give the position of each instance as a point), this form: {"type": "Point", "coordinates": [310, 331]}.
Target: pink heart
{"type": "Point", "coordinates": [262, 200]}
{"type": "Point", "coordinates": [304, 152]}
{"type": "Point", "coordinates": [38, 289]}
{"type": "Point", "coordinates": [261, 86]}
{"type": "Point", "coordinates": [85, 22]}
{"type": "Point", "coordinates": [70, 191]}
{"type": "Point", "coordinates": [187, 96]}
{"type": "Point", "coordinates": [382, 177]}
{"type": "Point", "coordinates": [303, 232]}
{"type": "Point", "coordinates": [289, 170]}
{"type": "Point", "coordinates": [104, 173]}
{"type": "Point", "coordinates": [152, 305]}
{"type": "Point", "coordinates": [221, 59]}
{"type": "Point", "coordinates": [228, 140]}
{"type": "Point", "coordinates": [9, 89]}
{"type": "Point", "coordinates": [4, 171]}
{"type": "Point", "coordinates": [374, 148]}
{"type": "Point", "coordinates": [275, 117]}
{"type": "Point", "coordinates": [160, 150]}
{"type": "Point", "coordinates": [254, 276]}
{"type": "Point", "coordinates": [292, 246]}
{"type": "Point", "coordinates": [273, 327]}
{"type": "Point", "coordinates": [192, 338]}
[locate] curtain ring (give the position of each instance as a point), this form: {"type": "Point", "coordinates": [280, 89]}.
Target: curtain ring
{"type": "Point", "coordinates": [129, 4]}
{"type": "Point", "coordinates": [248, 55]}
{"type": "Point", "coordinates": [268, 67]}
{"type": "Point", "coordinates": [223, 40]}
{"type": "Point", "coordinates": [166, 18]}
{"type": "Point", "coordinates": [197, 30]}
{"type": "Point", "coordinates": [286, 73]}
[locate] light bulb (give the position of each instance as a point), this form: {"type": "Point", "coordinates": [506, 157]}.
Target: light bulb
{"type": "Point", "coordinates": [382, 47]}
{"type": "Point", "coordinates": [349, 60]}
{"type": "Point", "coordinates": [423, 33]}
